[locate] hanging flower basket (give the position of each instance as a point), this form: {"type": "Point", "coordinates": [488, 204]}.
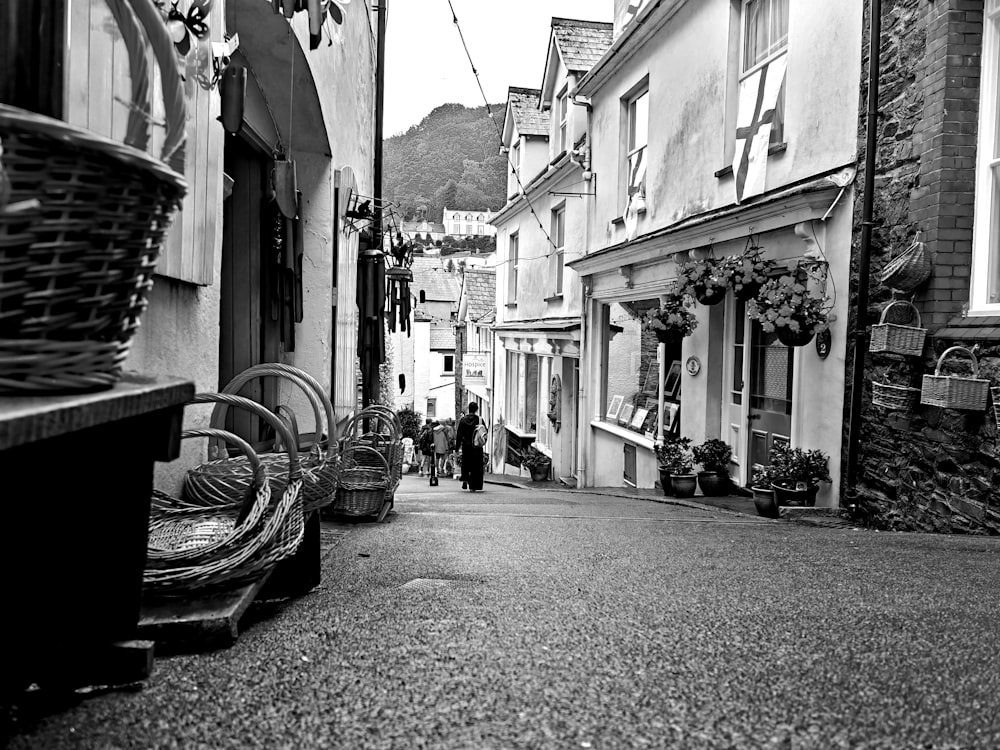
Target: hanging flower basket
{"type": "Point", "coordinates": [785, 306]}
{"type": "Point", "coordinates": [672, 320]}
{"type": "Point", "coordinates": [747, 274]}
{"type": "Point", "coordinates": [898, 339]}
{"type": "Point", "coordinates": [953, 391]}
{"type": "Point", "coordinates": [706, 280]}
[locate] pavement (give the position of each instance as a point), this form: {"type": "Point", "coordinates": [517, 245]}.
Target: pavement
{"type": "Point", "coordinates": [541, 617]}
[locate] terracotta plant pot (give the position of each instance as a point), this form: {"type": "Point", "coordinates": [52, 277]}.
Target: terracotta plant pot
{"type": "Point", "coordinates": [794, 498]}
{"type": "Point", "coordinates": [713, 483]}
{"type": "Point", "coordinates": [683, 484]}
{"type": "Point", "coordinates": [765, 502]}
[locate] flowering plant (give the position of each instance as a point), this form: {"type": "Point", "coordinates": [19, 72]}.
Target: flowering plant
{"type": "Point", "coordinates": [713, 455]}
{"type": "Point", "coordinates": [749, 272]}
{"type": "Point", "coordinates": [674, 455]}
{"type": "Point", "coordinates": [705, 280]}
{"type": "Point", "coordinates": [785, 302]}
{"type": "Point", "coordinates": [792, 466]}
{"type": "Point", "coordinates": [674, 315]}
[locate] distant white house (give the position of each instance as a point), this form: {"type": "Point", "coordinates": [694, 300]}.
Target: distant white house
{"type": "Point", "coordinates": [468, 223]}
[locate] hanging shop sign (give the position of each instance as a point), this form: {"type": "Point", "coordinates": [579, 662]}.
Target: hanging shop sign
{"type": "Point", "coordinates": [475, 366]}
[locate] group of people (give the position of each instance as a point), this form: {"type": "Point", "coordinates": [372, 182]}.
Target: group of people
{"type": "Point", "coordinates": [438, 439]}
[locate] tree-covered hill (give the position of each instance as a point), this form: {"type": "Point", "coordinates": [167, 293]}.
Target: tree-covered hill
{"type": "Point", "coordinates": [450, 159]}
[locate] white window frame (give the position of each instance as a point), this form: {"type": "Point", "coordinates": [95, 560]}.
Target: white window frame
{"type": "Point", "coordinates": [633, 148]}
{"type": "Point", "coordinates": [444, 364]}
{"type": "Point", "coordinates": [543, 429]}
{"type": "Point", "coordinates": [432, 408]}
{"type": "Point", "coordinates": [775, 50]}
{"type": "Point", "coordinates": [562, 111]}
{"type": "Point", "coordinates": [557, 249]}
{"type": "Point", "coordinates": [984, 294]}
{"type": "Point", "coordinates": [515, 169]}
{"type": "Point", "coordinates": [513, 260]}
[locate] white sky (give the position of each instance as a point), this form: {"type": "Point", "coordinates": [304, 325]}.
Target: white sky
{"type": "Point", "coordinates": [426, 64]}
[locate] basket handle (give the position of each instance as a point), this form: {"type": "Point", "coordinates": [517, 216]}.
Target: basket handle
{"type": "Point", "coordinates": [371, 458]}
{"type": "Point", "coordinates": [946, 352]}
{"type": "Point", "coordinates": [913, 307]}
{"type": "Point", "coordinates": [133, 18]}
{"type": "Point", "coordinates": [225, 400]}
{"type": "Point", "coordinates": [258, 479]}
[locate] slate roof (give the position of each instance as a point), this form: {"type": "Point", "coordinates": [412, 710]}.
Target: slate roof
{"type": "Point", "coordinates": [581, 43]}
{"type": "Point", "coordinates": [430, 275]}
{"type": "Point", "coordinates": [442, 338]}
{"type": "Point", "coordinates": [480, 292]}
{"type": "Point", "coordinates": [529, 119]}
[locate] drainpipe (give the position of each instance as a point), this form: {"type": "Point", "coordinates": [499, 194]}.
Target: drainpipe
{"type": "Point", "coordinates": [582, 400]}
{"type": "Point", "coordinates": [864, 258]}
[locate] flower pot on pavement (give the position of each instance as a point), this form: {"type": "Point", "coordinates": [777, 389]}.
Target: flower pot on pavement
{"type": "Point", "coordinates": [713, 483]}
{"type": "Point", "coordinates": [765, 502]}
{"type": "Point", "coordinates": [796, 497]}
{"type": "Point", "coordinates": [665, 481]}
{"type": "Point", "coordinates": [539, 475]}
{"type": "Point", "coordinates": [683, 484]}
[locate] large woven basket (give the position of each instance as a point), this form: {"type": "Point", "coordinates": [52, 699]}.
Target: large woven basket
{"type": "Point", "coordinates": [953, 391]}
{"type": "Point", "coordinates": [228, 477]}
{"type": "Point", "coordinates": [898, 339]}
{"type": "Point", "coordinates": [910, 268]}
{"type": "Point", "coordinates": [364, 482]}
{"type": "Point", "coordinates": [378, 427]}
{"type": "Point", "coordinates": [257, 543]}
{"type": "Point", "coordinates": [77, 266]}
{"type": "Point", "coordinates": [897, 397]}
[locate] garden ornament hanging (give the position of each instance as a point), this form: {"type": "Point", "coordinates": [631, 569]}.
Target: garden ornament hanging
{"type": "Point", "coordinates": [285, 185]}
{"type": "Point", "coordinates": [233, 91]}
{"type": "Point", "coordinates": [194, 23]}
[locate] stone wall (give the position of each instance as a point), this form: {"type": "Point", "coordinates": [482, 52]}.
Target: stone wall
{"type": "Point", "coordinates": [926, 468]}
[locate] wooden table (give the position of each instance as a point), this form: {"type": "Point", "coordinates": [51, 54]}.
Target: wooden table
{"type": "Point", "coordinates": [76, 477]}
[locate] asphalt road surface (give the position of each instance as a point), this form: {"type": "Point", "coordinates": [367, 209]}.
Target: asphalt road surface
{"type": "Point", "coordinates": [518, 618]}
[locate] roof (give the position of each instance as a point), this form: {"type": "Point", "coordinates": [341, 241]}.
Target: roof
{"type": "Point", "coordinates": [442, 338]}
{"type": "Point", "coordinates": [430, 275]}
{"type": "Point", "coordinates": [528, 118]}
{"type": "Point", "coordinates": [480, 292]}
{"type": "Point", "coordinates": [581, 43]}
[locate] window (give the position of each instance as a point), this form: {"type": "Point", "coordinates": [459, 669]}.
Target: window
{"type": "Point", "coordinates": [468, 229]}
{"type": "Point", "coordinates": [984, 297]}
{"type": "Point", "coordinates": [556, 252]}
{"type": "Point", "coordinates": [544, 433]}
{"type": "Point", "coordinates": [562, 112]}
{"type": "Point", "coordinates": [515, 169]}
{"type": "Point", "coordinates": [638, 136]}
{"type": "Point", "coordinates": [449, 363]}
{"type": "Point", "coordinates": [512, 259]}
{"type": "Point", "coordinates": [432, 407]}
{"type": "Point", "coordinates": [765, 37]}
{"type": "Point", "coordinates": [480, 229]}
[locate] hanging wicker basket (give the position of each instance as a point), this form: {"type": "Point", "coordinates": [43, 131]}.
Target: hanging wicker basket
{"type": "Point", "coordinates": [898, 339]}
{"type": "Point", "coordinates": [910, 268]}
{"type": "Point", "coordinates": [75, 279]}
{"type": "Point", "coordinates": [953, 391]}
{"type": "Point", "coordinates": [895, 397]}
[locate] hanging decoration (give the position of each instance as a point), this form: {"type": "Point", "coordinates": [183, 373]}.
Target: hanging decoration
{"type": "Point", "coordinates": [185, 26]}
{"type": "Point", "coordinates": [398, 276]}
{"type": "Point", "coordinates": [318, 11]}
{"type": "Point", "coordinates": [187, 22]}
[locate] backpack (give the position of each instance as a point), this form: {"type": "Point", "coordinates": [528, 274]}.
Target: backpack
{"type": "Point", "coordinates": [426, 442]}
{"type": "Point", "coordinates": [479, 436]}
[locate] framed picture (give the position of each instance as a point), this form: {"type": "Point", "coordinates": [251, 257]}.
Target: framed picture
{"type": "Point", "coordinates": [671, 418]}
{"type": "Point", "coordinates": [615, 406]}
{"type": "Point", "coordinates": [672, 383]}
{"type": "Point", "coordinates": [625, 414]}
{"type": "Point", "coordinates": [639, 418]}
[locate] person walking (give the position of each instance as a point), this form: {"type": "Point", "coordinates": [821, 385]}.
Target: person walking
{"type": "Point", "coordinates": [441, 446]}
{"type": "Point", "coordinates": [426, 446]}
{"type": "Point", "coordinates": [470, 439]}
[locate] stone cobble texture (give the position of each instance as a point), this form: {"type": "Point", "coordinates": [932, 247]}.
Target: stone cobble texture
{"type": "Point", "coordinates": [926, 469]}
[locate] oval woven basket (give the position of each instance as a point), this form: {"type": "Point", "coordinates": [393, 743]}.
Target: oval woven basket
{"type": "Point", "coordinates": [954, 391]}
{"type": "Point", "coordinates": [895, 338]}
{"type": "Point", "coordinates": [80, 238]}
{"type": "Point", "coordinates": [910, 268]}
{"type": "Point", "coordinates": [364, 482]}
{"type": "Point", "coordinates": [895, 397]}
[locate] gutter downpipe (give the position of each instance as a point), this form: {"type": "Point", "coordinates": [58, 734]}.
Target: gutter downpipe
{"type": "Point", "coordinates": [583, 429]}
{"type": "Point", "coordinates": [864, 259]}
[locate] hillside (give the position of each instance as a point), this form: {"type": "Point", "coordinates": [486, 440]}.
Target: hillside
{"type": "Point", "coordinates": [450, 159]}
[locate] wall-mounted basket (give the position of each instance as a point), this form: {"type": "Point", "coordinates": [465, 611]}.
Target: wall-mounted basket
{"type": "Point", "coordinates": [910, 268]}
{"type": "Point", "coordinates": [954, 391]}
{"type": "Point", "coordinates": [895, 338]}
{"type": "Point", "coordinates": [896, 397]}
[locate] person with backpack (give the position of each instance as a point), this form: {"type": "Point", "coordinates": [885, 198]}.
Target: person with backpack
{"type": "Point", "coordinates": [425, 444]}
{"type": "Point", "coordinates": [471, 439]}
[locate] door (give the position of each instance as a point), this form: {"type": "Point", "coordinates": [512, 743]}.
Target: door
{"type": "Point", "coordinates": [760, 397]}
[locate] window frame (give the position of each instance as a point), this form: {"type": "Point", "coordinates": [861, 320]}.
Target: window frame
{"type": "Point", "coordinates": [777, 134]}
{"type": "Point", "coordinates": [514, 186]}
{"type": "Point", "coordinates": [562, 126]}
{"type": "Point", "coordinates": [445, 366]}
{"type": "Point", "coordinates": [630, 102]}
{"type": "Point", "coordinates": [985, 266]}
{"type": "Point", "coordinates": [513, 257]}
{"type": "Point", "coordinates": [431, 407]}
{"type": "Point", "coordinates": [557, 248]}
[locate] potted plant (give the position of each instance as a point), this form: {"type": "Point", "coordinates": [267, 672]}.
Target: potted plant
{"type": "Point", "coordinates": [747, 274]}
{"type": "Point", "coordinates": [672, 320]}
{"type": "Point", "coordinates": [537, 463]}
{"type": "Point", "coordinates": [706, 280]}
{"type": "Point", "coordinates": [676, 466]}
{"type": "Point", "coordinates": [763, 492]}
{"type": "Point", "coordinates": [785, 306]}
{"type": "Point", "coordinates": [797, 474]}
{"type": "Point", "coordinates": [713, 456]}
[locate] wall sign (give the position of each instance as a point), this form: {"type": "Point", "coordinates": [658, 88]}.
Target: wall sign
{"type": "Point", "coordinates": [823, 343]}
{"type": "Point", "coordinates": [693, 365]}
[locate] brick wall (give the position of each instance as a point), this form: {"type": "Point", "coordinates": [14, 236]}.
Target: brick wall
{"type": "Point", "coordinates": [926, 469]}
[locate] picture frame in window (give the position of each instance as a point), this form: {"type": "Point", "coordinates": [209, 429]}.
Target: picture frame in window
{"type": "Point", "coordinates": [672, 417]}
{"type": "Point", "coordinates": [625, 415]}
{"type": "Point", "coordinates": [639, 418]}
{"type": "Point", "coordinates": [672, 383]}
{"type": "Point", "coordinates": [615, 406]}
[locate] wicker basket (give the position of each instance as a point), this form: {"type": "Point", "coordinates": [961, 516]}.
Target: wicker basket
{"type": "Point", "coordinates": [898, 339]}
{"type": "Point", "coordinates": [910, 268]}
{"type": "Point", "coordinates": [256, 545]}
{"type": "Point", "coordinates": [229, 477]}
{"type": "Point", "coordinates": [384, 433]}
{"type": "Point", "coordinates": [995, 396]}
{"type": "Point", "coordinates": [953, 391]}
{"type": "Point", "coordinates": [75, 280]}
{"type": "Point", "coordinates": [364, 482]}
{"type": "Point", "coordinates": [898, 397]}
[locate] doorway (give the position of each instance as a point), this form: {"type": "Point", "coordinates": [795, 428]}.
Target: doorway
{"type": "Point", "coordinates": [761, 371]}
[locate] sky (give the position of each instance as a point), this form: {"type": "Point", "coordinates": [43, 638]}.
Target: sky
{"type": "Point", "coordinates": [425, 63]}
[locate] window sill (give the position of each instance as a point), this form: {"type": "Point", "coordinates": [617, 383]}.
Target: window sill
{"type": "Point", "coordinates": [777, 148]}
{"type": "Point", "coordinates": [620, 220]}
{"type": "Point", "coordinates": [555, 298]}
{"type": "Point", "coordinates": [520, 433]}
{"type": "Point", "coordinates": [639, 439]}
{"type": "Point", "coordinates": [511, 305]}
{"type": "Point", "coordinates": [970, 329]}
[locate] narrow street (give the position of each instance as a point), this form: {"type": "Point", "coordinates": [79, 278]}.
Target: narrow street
{"type": "Point", "coordinates": [517, 618]}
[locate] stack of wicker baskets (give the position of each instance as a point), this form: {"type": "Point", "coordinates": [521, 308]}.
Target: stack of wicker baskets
{"type": "Point", "coordinates": [83, 226]}
{"type": "Point", "coordinates": [904, 340]}
{"type": "Point", "coordinates": [371, 463]}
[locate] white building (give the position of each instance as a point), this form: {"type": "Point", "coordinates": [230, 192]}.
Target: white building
{"type": "Point", "coordinates": [468, 223]}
